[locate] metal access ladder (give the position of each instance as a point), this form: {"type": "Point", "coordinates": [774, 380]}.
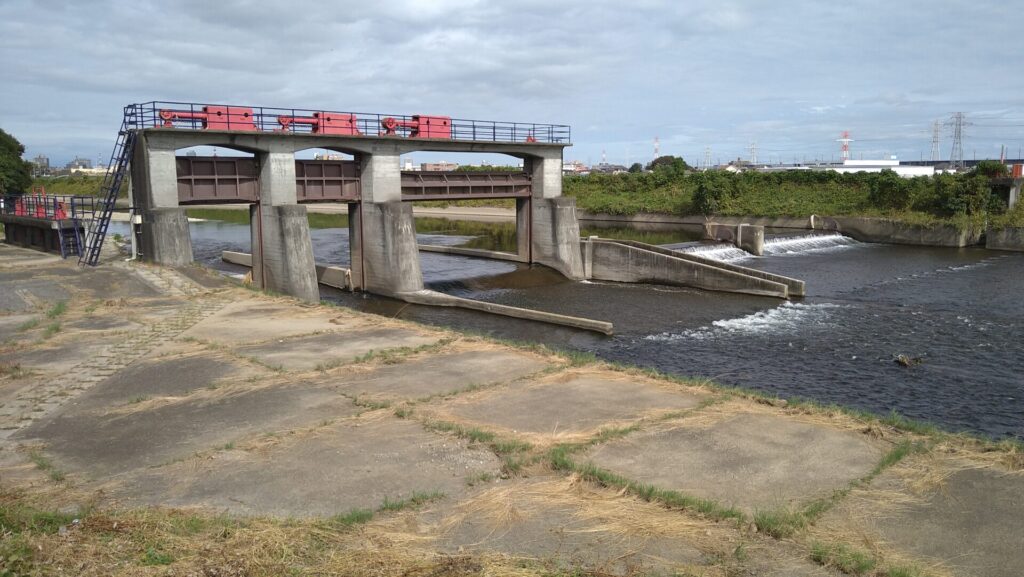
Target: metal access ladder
{"type": "Point", "coordinates": [70, 239]}
{"type": "Point", "coordinates": [96, 227]}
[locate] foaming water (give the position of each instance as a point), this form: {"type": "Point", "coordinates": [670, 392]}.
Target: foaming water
{"type": "Point", "coordinates": [722, 252]}
{"type": "Point", "coordinates": [773, 246]}
{"type": "Point", "coordinates": [807, 243]}
{"type": "Point", "coordinates": [787, 318]}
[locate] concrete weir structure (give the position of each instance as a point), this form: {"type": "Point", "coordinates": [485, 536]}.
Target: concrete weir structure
{"type": "Point", "coordinates": [385, 257]}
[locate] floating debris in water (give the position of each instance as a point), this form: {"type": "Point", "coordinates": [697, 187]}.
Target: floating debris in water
{"type": "Point", "coordinates": [906, 360]}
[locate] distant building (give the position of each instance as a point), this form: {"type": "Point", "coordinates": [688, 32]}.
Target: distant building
{"type": "Point", "coordinates": [879, 165]}
{"type": "Point", "coordinates": [40, 165]}
{"type": "Point", "coordinates": [574, 167]}
{"type": "Point", "coordinates": [438, 166]}
{"type": "Point", "coordinates": [79, 162]}
{"type": "Point", "coordinates": [319, 156]}
{"type": "Point", "coordinates": [608, 168]}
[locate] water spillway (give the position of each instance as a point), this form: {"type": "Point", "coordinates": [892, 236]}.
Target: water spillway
{"type": "Point", "coordinates": [773, 246]}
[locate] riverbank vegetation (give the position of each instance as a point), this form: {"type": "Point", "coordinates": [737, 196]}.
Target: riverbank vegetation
{"type": "Point", "coordinates": [962, 199]}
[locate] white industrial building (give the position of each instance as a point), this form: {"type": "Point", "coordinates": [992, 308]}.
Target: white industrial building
{"type": "Point", "coordinates": [880, 165]}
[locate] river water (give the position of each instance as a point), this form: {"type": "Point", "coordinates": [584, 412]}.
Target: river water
{"type": "Point", "coordinates": [959, 311]}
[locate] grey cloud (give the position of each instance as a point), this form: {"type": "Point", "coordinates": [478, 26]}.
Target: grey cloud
{"type": "Point", "coordinates": [698, 73]}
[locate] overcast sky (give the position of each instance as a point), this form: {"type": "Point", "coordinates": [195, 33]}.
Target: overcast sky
{"type": "Point", "coordinates": [789, 75]}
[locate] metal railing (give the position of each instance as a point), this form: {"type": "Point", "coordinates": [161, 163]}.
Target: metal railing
{"type": "Point", "coordinates": [198, 116]}
{"type": "Point", "coordinates": [48, 206]}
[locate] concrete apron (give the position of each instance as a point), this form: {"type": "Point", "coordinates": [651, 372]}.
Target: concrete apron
{"type": "Point", "coordinates": [341, 278]}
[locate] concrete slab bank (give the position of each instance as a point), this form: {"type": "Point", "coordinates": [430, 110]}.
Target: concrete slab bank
{"type": "Point", "coordinates": [184, 447]}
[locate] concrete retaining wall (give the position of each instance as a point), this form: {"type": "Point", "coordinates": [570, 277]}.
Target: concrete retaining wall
{"type": "Point", "coordinates": [888, 231]}
{"type": "Point", "coordinates": [634, 262]}
{"type": "Point", "coordinates": [796, 287]}
{"type": "Point", "coordinates": [35, 233]}
{"type": "Point", "coordinates": [1010, 238]}
{"type": "Point", "coordinates": [653, 218]}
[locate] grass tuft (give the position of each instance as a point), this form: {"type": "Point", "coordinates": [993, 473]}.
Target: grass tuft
{"type": "Point", "coordinates": [351, 518]}
{"type": "Point", "coordinates": [43, 463]}
{"type": "Point", "coordinates": [57, 310]}
{"type": "Point", "coordinates": [51, 329]}
{"type": "Point", "coordinates": [779, 523]}
{"type": "Point", "coordinates": [417, 499]}
{"type": "Point", "coordinates": [154, 556]}
{"type": "Point", "coordinates": [842, 557]}
{"type": "Point", "coordinates": [29, 325]}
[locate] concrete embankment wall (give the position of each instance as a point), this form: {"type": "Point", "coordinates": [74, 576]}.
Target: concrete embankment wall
{"type": "Point", "coordinates": [695, 220]}
{"type": "Point", "coordinates": [635, 262]}
{"type": "Point", "coordinates": [894, 232]}
{"type": "Point", "coordinates": [1009, 238]}
{"type": "Point", "coordinates": [864, 229]}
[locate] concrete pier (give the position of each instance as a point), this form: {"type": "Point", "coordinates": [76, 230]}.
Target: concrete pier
{"type": "Point", "coordinates": [163, 233]}
{"type": "Point", "coordinates": [282, 249]}
{"type": "Point", "coordinates": [385, 256]}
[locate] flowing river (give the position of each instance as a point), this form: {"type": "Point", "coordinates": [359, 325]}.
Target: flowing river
{"type": "Point", "coordinates": [958, 313]}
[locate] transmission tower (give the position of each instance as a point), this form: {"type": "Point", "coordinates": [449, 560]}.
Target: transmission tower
{"type": "Point", "coordinates": [956, 156]}
{"type": "Point", "coordinates": [935, 141]}
{"type": "Point", "coordinates": [753, 152]}
{"type": "Point", "coordinates": [707, 158]}
{"type": "Point", "coordinates": [657, 148]}
{"type": "Point", "coordinates": [844, 149]}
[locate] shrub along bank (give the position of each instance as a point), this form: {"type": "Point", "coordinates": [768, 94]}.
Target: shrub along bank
{"type": "Point", "coordinates": [959, 199]}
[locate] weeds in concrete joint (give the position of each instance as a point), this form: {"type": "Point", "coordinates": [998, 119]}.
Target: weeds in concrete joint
{"type": "Point", "coordinates": [481, 478]}
{"type": "Point", "coordinates": [44, 464]}
{"type": "Point", "coordinates": [514, 454]}
{"type": "Point", "coordinates": [672, 499]}
{"type": "Point", "coordinates": [57, 310]}
{"type": "Point", "coordinates": [50, 330]}
{"type": "Point", "coordinates": [370, 404]}
{"type": "Point", "coordinates": [29, 325]}
{"type": "Point", "coordinates": [780, 523]}
{"type": "Point", "coordinates": [351, 518]}
{"type": "Point", "coordinates": [842, 557]}
{"type": "Point", "coordinates": [13, 370]}
{"type": "Point", "coordinates": [417, 499]}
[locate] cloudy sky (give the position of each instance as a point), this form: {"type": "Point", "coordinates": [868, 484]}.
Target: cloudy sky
{"type": "Point", "coordinates": [789, 75]}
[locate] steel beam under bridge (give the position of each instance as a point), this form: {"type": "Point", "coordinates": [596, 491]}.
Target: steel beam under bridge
{"type": "Point", "coordinates": [229, 180]}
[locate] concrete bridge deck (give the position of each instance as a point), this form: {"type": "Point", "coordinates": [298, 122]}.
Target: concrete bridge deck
{"type": "Point", "coordinates": [194, 427]}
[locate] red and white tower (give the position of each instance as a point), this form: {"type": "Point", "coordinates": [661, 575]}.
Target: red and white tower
{"type": "Point", "coordinates": [844, 150]}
